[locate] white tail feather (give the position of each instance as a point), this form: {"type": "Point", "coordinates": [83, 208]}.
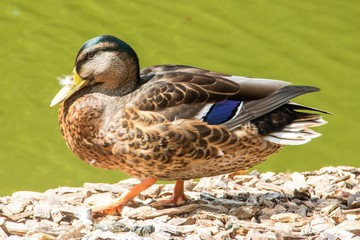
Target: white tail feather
{"type": "Point", "coordinates": [307, 124]}
{"type": "Point", "coordinates": [296, 133]}
{"type": "Point", "coordinates": [307, 133]}
{"type": "Point", "coordinates": [286, 141]}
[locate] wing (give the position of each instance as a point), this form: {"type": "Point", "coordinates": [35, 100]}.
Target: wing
{"type": "Point", "coordinates": [251, 88]}
{"type": "Point", "coordinates": [183, 92]}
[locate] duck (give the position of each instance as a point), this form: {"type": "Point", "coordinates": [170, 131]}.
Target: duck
{"type": "Point", "coordinates": [174, 122]}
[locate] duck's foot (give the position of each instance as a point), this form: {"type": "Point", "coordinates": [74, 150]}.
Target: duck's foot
{"type": "Point", "coordinates": [178, 197]}
{"type": "Point", "coordinates": [115, 207]}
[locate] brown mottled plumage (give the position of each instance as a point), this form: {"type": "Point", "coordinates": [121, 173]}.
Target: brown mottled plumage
{"type": "Point", "coordinates": [174, 122]}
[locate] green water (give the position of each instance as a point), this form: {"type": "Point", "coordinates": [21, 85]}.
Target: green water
{"type": "Point", "coordinates": [305, 42]}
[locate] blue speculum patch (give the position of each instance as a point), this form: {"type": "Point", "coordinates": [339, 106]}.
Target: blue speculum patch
{"type": "Point", "coordinates": [222, 112]}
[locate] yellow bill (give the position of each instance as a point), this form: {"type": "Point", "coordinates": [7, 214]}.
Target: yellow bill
{"type": "Point", "coordinates": [69, 89]}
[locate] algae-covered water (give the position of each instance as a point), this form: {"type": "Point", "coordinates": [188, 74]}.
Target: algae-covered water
{"type": "Point", "coordinates": [304, 42]}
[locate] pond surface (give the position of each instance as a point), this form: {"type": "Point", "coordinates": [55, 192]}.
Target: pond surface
{"type": "Point", "coordinates": [304, 42]}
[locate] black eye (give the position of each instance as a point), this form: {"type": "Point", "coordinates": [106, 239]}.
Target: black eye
{"type": "Point", "coordinates": [90, 55]}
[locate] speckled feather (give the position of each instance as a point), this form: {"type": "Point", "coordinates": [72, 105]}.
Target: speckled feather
{"type": "Point", "coordinates": [145, 144]}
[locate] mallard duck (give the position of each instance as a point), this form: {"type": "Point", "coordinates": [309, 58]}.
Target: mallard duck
{"type": "Point", "coordinates": [174, 122]}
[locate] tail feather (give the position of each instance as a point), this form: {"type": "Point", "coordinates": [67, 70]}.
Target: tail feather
{"type": "Point", "coordinates": [307, 124]}
{"type": "Point", "coordinates": [296, 133]}
{"type": "Point", "coordinates": [302, 107]}
{"type": "Point", "coordinates": [284, 141]}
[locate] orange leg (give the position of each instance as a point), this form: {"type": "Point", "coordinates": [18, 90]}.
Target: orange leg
{"type": "Point", "coordinates": [179, 196]}
{"type": "Point", "coordinates": [117, 205]}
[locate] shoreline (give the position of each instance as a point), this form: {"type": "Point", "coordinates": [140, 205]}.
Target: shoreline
{"type": "Point", "coordinates": [321, 204]}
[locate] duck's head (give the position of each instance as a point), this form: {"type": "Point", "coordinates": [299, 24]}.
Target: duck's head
{"type": "Point", "coordinates": [104, 64]}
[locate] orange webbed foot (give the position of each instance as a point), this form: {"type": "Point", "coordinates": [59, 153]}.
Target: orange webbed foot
{"type": "Point", "coordinates": [115, 207]}
{"type": "Point", "coordinates": [178, 197]}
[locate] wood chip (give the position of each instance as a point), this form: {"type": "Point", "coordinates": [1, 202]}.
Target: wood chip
{"type": "Point", "coordinates": [37, 196]}
{"type": "Point", "coordinates": [2, 220]}
{"type": "Point", "coordinates": [3, 234]}
{"type": "Point", "coordinates": [99, 198]}
{"type": "Point", "coordinates": [350, 226]}
{"type": "Point", "coordinates": [114, 188]}
{"type": "Point", "coordinates": [321, 224]}
{"type": "Point", "coordinates": [174, 229]}
{"type": "Point", "coordinates": [354, 200]}
{"type": "Point", "coordinates": [285, 217]}
{"type": "Point", "coordinates": [40, 236]}
{"type": "Point", "coordinates": [271, 187]}
{"type": "Point", "coordinates": [245, 212]}
{"type": "Point", "coordinates": [148, 212]}
{"type": "Point", "coordinates": [42, 211]}
{"type": "Point", "coordinates": [152, 191]}
{"type": "Point", "coordinates": [16, 228]}
{"type": "Point", "coordinates": [177, 221]}
{"type": "Point", "coordinates": [22, 215]}
{"type": "Point", "coordinates": [298, 177]}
